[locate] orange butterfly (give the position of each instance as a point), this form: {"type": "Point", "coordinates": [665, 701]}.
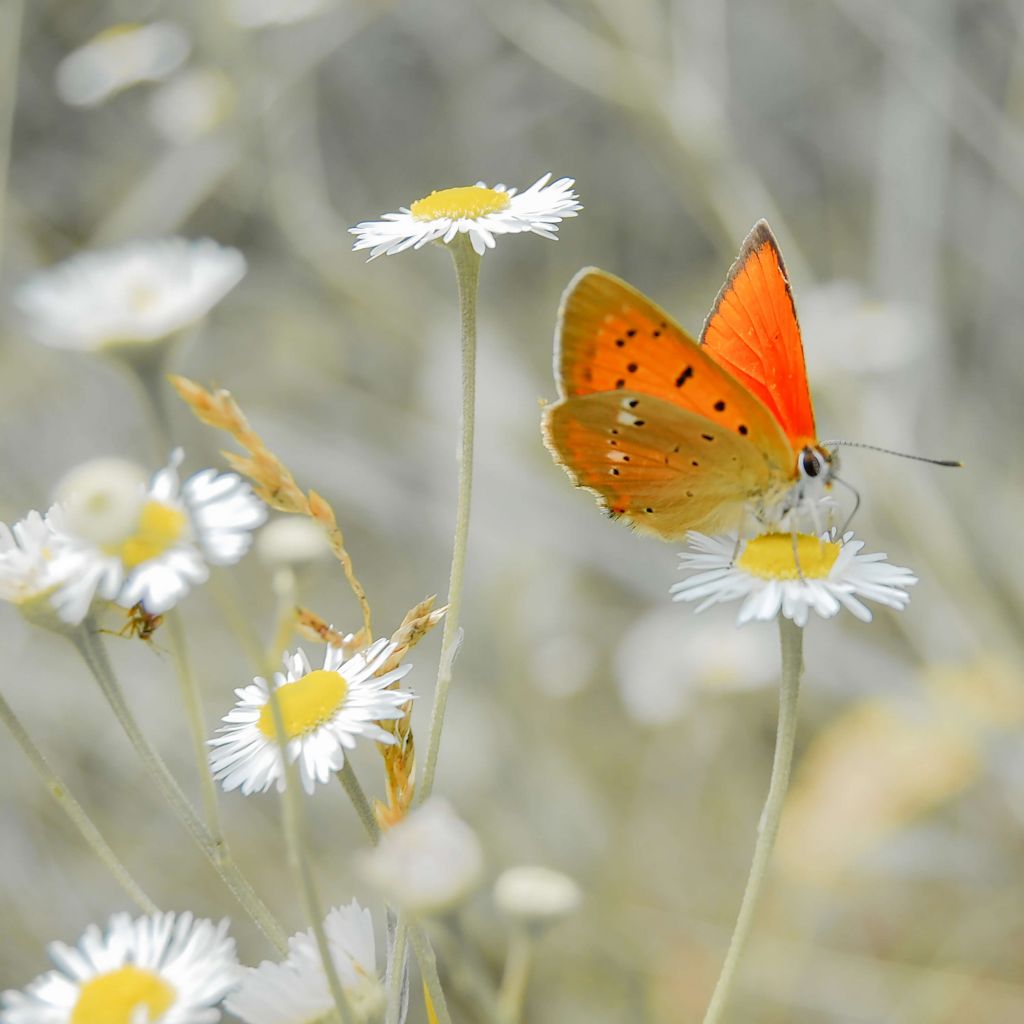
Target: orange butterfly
{"type": "Point", "coordinates": [677, 435]}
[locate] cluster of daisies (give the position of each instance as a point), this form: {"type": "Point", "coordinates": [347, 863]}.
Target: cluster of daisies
{"type": "Point", "coordinates": [177, 969]}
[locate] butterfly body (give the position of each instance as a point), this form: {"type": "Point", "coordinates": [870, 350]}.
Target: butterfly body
{"type": "Point", "coordinates": [676, 435]}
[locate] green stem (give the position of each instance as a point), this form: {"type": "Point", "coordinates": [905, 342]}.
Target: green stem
{"type": "Point", "coordinates": [74, 810]}
{"type": "Point", "coordinates": [11, 12]}
{"type": "Point", "coordinates": [294, 823]}
{"type": "Point", "coordinates": [194, 710]}
{"type": "Point", "coordinates": [396, 971]}
{"type": "Point", "coordinates": [512, 995]}
{"type": "Point", "coordinates": [428, 972]}
{"type": "Point", "coordinates": [791, 637]}
{"type": "Point", "coordinates": [347, 777]}
{"type": "Point", "coordinates": [95, 656]}
{"type": "Point", "coordinates": [467, 273]}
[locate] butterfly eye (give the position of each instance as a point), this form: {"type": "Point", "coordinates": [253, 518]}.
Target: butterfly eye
{"type": "Point", "coordinates": [811, 463]}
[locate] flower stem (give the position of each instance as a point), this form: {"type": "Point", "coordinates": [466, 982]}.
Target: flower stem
{"type": "Point", "coordinates": [74, 810]}
{"type": "Point", "coordinates": [94, 654]}
{"type": "Point", "coordinates": [396, 973]}
{"type": "Point", "coordinates": [347, 777]}
{"type": "Point", "coordinates": [428, 972]}
{"type": "Point", "coordinates": [294, 824]}
{"type": "Point", "coordinates": [194, 711]}
{"type": "Point", "coordinates": [512, 995]}
{"type": "Point", "coordinates": [467, 273]}
{"type": "Point", "coordinates": [11, 15]}
{"type": "Point", "coordinates": [791, 637]}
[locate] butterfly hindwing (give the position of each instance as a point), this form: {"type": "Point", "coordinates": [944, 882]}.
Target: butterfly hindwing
{"type": "Point", "coordinates": [665, 469]}
{"type": "Point", "coordinates": [752, 331]}
{"type": "Point", "coordinates": [611, 338]}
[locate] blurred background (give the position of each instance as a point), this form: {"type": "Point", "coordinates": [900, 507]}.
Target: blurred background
{"type": "Point", "coordinates": [594, 726]}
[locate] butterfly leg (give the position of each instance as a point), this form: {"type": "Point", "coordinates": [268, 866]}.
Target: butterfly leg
{"type": "Point", "coordinates": [795, 534]}
{"type": "Point", "coordinates": [739, 537]}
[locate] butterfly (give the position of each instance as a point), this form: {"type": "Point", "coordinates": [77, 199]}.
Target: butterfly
{"type": "Point", "coordinates": [674, 434]}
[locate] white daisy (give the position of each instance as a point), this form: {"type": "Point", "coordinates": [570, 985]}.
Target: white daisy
{"type": "Point", "coordinates": [149, 545]}
{"type": "Point", "coordinates": [163, 967]}
{"type": "Point", "coordinates": [535, 894]}
{"type": "Point", "coordinates": [476, 210]}
{"type": "Point", "coordinates": [120, 57]}
{"type": "Point", "coordinates": [296, 991]}
{"type": "Point", "coordinates": [324, 710]}
{"type": "Point", "coordinates": [138, 293]}
{"type": "Point", "coordinates": [266, 13]}
{"type": "Point", "coordinates": [831, 574]}
{"type": "Point", "coordinates": [428, 863]}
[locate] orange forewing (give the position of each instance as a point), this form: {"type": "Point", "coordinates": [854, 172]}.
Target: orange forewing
{"type": "Point", "coordinates": [753, 333]}
{"type": "Point", "coordinates": [611, 338]}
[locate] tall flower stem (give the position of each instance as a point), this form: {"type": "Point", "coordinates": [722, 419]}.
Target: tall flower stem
{"type": "Point", "coordinates": [428, 972]}
{"type": "Point", "coordinates": [355, 792]}
{"type": "Point", "coordinates": [94, 654]}
{"type": "Point", "coordinates": [792, 639]}
{"type": "Point", "coordinates": [294, 824]}
{"type": "Point", "coordinates": [194, 711]}
{"type": "Point", "coordinates": [74, 810]}
{"type": "Point", "coordinates": [11, 14]}
{"type": "Point", "coordinates": [467, 273]}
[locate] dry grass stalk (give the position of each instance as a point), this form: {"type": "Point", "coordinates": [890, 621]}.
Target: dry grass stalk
{"type": "Point", "coordinates": [400, 757]}
{"type": "Point", "coordinates": [271, 479]}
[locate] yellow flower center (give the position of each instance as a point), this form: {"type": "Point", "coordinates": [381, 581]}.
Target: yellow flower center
{"type": "Point", "coordinates": [158, 528]}
{"type": "Point", "coordinates": [770, 556]}
{"type": "Point", "coordinates": [113, 998]}
{"type": "Point", "coordinates": [456, 203]}
{"type": "Point", "coordinates": [305, 704]}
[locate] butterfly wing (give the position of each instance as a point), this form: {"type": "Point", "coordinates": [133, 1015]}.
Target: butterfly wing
{"type": "Point", "coordinates": [666, 469]}
{"type": "Point", "coordinates": [610, 337]}
{"type": "Point", "coordinates": [752, 331]}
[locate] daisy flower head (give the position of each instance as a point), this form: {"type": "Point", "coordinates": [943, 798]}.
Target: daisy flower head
{"type": "Point", "coordinates": [134, 543]}
{"type": "Point", "coordinates": [133, 295]}
{"type": "Point", "coordinates": [324, 711]}
{"type": "Point", "coordinates": [296, 990]}
{"type": "Point", "coordinates": [823, 575]}
{"type": "Point", "coordinates": [165, 967]}
{"type": "Point", "coordinates": [475, 210]}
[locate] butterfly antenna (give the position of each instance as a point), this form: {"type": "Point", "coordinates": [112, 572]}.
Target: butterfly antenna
{"type": "Point", "coordinates": [953, 463]}
{"type": "Point", "coordinates": [856, 502]}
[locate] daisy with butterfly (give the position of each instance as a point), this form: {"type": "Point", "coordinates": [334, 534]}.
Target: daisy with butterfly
{"type": "Point", "coordinates": [686, 439]}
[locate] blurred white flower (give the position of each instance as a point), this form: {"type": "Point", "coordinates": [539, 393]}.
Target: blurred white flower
{"type": "Point", "coordinates": [164, 967]}
{"type": "Point", "coordinates": [138, 293]}
{"type": "Point", "coordinates": [28, 575]}
{"type": "Point", "coordinates": [191, 105]}
{"type": "Point", "coordinates": [535, 894]}
{"type": "Point", "coordinates": [120, 57]}
{"type": "Point", "coordinates": [324, 711]}
{"type": "Point", "coordinates": [292, 541]}
{"type": "Point", "coordinates": [429, 862]}
{"type": "Point", "coordinates": [475, 210]}
{"type": "Point", "coordinates": [765, 575]}
{"type": "Point", "coordinates": [659, 673]}
{"type": "Point", "coordinates": [134, 544]}
{"type": "Point", "coordinates": [296, 990]}
{"type": "Point", "coordinates": [265, 13]}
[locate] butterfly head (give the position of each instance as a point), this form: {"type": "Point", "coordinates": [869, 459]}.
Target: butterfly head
{"type": "Point", "coordinates": [818, 464]}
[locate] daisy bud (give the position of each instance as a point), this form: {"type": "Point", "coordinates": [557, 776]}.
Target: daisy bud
{"type": "Point", "coordinates": [536, 895]}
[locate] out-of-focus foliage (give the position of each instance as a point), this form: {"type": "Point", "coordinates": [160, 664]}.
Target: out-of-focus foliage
{"type": "Point", "coordinates": [592, 727]}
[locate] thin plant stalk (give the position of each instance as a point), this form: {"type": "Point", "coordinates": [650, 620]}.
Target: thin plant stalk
{"type": "Point", "coordinates": [293, 821]}
{"type": "Point", "coordinates": [791, 637]}
{"type": "Point", "coordinates": [74, 810]}
{"type": "Point", "coordinates": [11, 16]}
{"type": "Point", "coordinates": [350, 783]}
{"type": "Point", "coordinates": [396, 976]}
{"type": "Point", "coordinates": [194, 712]}
{"type": "Point", "coordinates": [428, 972]}
{"type": "Point", "coordinates": [467, 273]}
{"type": "Point", "coordinates": [518, 960]}
{"type": "Point", "coordinates": [94, 654]}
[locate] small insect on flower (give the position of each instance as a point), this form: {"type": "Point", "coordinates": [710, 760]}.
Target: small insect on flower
{"type": "Point", "coordinates": [475, 210]}
{"type": "Point", "coordinates": [139, 623]}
